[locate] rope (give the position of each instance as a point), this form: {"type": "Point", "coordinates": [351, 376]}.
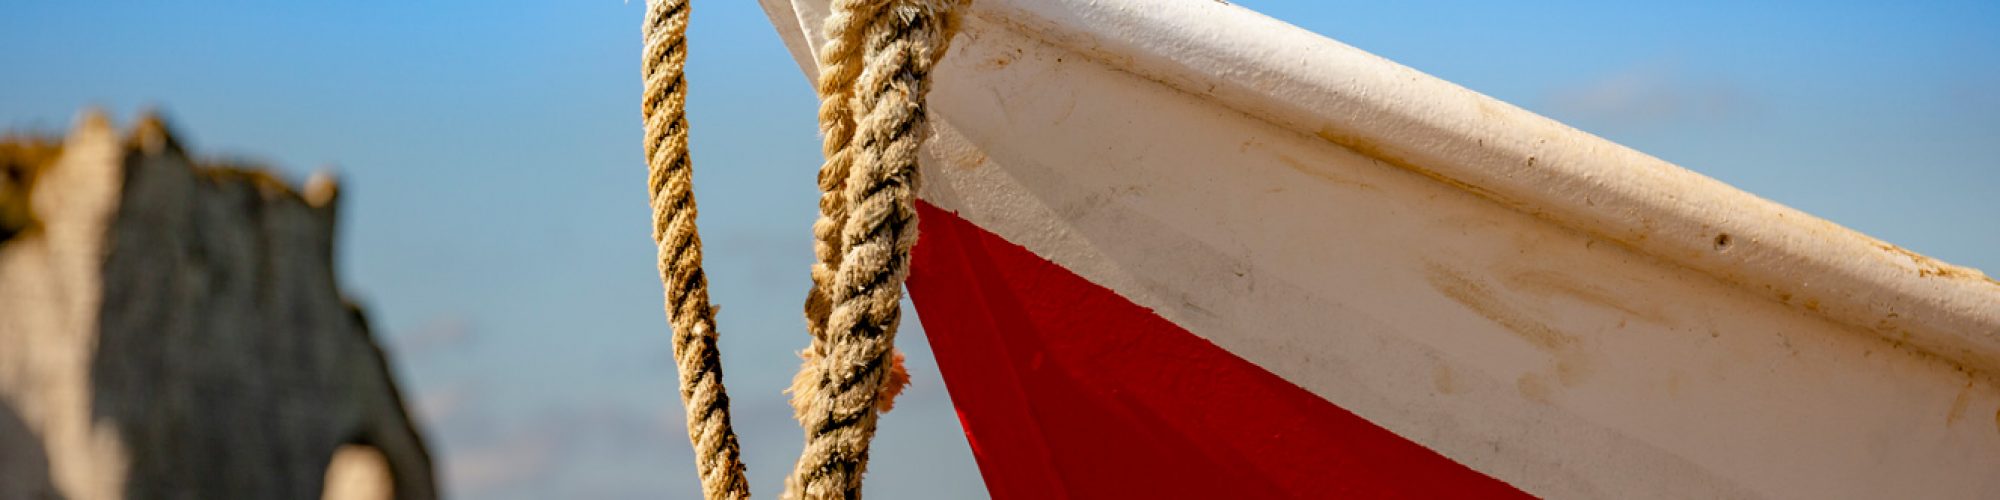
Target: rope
{"type": "Point", "coordinates": [839, 64]}
{"type": "Point", "coordinates": [670, 176]}
{"type": "Point", "coordinates": [839, 59]}
{"type": "Point", "coordinates": [875, 71]}
{"type": "Point", "coordinates": [869, 214]}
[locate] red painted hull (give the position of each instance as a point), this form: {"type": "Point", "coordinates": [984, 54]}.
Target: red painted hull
{"type": "Point", "coordinates": [1067, 389]}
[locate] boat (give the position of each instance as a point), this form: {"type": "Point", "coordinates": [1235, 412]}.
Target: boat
{"type": "Point", "coordinates": [1178, 249]}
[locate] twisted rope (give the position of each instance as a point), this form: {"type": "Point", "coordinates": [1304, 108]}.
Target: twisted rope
{"type": "Point", "coordinates": [869, 215]}
{"type": "Point", "coordinates": [875, 71]}
{"type": "Point", "coordinates": [670, 177]}
{"type": "Point", "coordinates": [839, 63]}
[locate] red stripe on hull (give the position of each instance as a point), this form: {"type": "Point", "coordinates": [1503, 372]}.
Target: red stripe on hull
{"type": "Point", "coordinates": [1068, 390]}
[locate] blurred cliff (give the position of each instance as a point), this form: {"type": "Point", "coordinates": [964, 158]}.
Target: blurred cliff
{"type": "Point", "coordinates": [171, 329]}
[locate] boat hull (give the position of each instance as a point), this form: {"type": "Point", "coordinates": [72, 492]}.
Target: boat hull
{"type": "Point", "coordinates": [1120, 263]}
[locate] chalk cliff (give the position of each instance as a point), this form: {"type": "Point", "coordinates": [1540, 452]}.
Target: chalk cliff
{"type": "Point", "coordinates": [170, 329]}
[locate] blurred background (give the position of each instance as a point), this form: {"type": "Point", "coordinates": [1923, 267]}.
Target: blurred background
{"type": "Point", "coordinates": [495, 221]}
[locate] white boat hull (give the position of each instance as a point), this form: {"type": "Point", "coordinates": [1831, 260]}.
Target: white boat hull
{"type": "Point", "coordinates": [1531, 323]}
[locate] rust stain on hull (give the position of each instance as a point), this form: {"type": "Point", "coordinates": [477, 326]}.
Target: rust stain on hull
{"type": "Point", "coordinates": [1958, 404]}
{"type": "Point", "coordinates": [1321, 173]}
{"type": "Point", "coordinates": [1532, 387]}
{"type": "Point", "coordinates": [1571, 364]}
{"type": "Point", "coordinates": [1928, 267]}
{"type": "Point", "coordinates": [1370, 149]}
{"type": "Point", "coordinates": [1480, 298]}
{"type": "Point", "coordinates": [1554, 283]}
{"type": "Point", "coordinates": [1442, 380]}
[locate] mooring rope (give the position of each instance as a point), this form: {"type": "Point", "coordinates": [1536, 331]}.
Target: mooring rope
{"type": "Point", "coordinates": [869, 213]}
{"type": "Point", "coordinates": [670, 177]}
{"type": "Point", "coordinates": [875, 72]}
{"type": "Point", "coordinates": [839, 64]}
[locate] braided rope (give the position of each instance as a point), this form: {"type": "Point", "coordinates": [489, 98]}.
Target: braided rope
{"type": "Point", "coordinates": [845, 379]}
{"type": "Point", "coordinates": [670, 177]}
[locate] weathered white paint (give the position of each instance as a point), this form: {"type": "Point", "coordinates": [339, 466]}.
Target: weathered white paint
{"type": "Point", "coordinates": [1567, 324]}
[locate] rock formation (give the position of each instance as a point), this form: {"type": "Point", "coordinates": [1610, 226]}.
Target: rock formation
{"type": "Point", "coordinates": [173, 330]}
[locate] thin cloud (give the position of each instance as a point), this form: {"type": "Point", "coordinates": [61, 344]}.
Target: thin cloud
{"type": "Point", "coordinates": [1652, 93]}
{"type": "Point", "coordinates": [441, 334]}
{"type": "Point", "coordinates": [443, 405]}
{"type": "Point", "coordinates": [487, 457]}
{"type": "Point", "coordinates": [501, 464]}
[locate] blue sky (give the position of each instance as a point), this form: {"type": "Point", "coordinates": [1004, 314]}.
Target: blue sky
{"type": "Point", "coordinates": [495, 219]}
